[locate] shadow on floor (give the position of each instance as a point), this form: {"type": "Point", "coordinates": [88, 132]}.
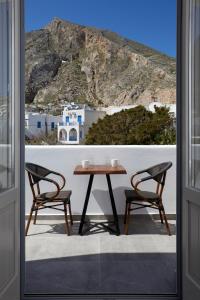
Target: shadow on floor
{"type": "Point", "coordinates": [139, 224]}
{"type": "Point", "coordinates": [137, 273]}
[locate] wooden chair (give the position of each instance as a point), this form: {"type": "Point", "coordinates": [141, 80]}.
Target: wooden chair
{"type": "Point", "coordinates": [146, 198]}
{"type": "Point", "coordinates": [51, 200]}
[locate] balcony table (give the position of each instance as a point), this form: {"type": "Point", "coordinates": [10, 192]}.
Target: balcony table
{"type": "Point", "coordinates": [100, 170]}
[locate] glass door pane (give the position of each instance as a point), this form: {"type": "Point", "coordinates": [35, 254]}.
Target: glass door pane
{"type": "Point", "coordinates": [194, 94]}
{"type": "Point", "coordinates": [6, 149]}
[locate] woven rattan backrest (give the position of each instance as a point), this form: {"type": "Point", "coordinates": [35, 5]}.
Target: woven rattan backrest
{"type": "Point", "coordinates": [37, 172]}
{"type": "Point", "coordinates": [158, 172]}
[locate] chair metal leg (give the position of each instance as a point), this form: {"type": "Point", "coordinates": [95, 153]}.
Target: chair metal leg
{"type": "Point", "coordinates": [166, 222]}
{"type": "Point", "coordinates": [161, 217]}
{"type": "Point", "coordinates": [29, 219]}
{"type": "Point", "coordinates": [125, 214]}
{"type": "Point", "coordinates": [35, 217]}
{"type": "Point", "coordinates": [127, 219]}
{"type": "Point", "coordinates": [67, 231]}
{"type": "Point", "coordinates": [70, 214]}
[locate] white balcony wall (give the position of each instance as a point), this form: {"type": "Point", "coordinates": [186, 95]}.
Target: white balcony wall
{"type": "Point", "coordinates": [64, 159]}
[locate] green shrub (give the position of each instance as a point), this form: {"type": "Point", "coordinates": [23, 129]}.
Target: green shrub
{"type": "Point", "coordinates": [136, 126]}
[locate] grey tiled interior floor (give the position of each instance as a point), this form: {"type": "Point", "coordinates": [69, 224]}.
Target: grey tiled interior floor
{"type": "Point", "coordinates": [143, 262]}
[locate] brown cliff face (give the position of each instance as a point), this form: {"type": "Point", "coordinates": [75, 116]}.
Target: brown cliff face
{"type": "Point", "coordinates": [65, 61]}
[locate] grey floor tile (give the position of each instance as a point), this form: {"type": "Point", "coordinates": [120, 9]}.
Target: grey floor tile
{"type": "Point", "coordinates": [142, 262]}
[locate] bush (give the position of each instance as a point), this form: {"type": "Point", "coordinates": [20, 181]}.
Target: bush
{"type": "Point", "coordinates": [136, 126]}
{"type": "Point", "coordinates": [50, 139]}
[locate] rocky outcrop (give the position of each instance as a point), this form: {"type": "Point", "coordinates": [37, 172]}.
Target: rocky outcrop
{"type": "Point", "coordinates": [65, 61]}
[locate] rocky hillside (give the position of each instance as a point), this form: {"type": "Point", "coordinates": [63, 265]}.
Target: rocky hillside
{"type": "Point", "coordinates": [65, 61]}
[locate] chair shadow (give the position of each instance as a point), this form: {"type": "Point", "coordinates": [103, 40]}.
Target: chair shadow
{"type": "Point", "coordinates": [60, 229]}
{"type": "Point", "coordinates": [149, 224]}
{"type": "Point", "coordinates": [139, 224]}
{"type": "Point", "coordinates": [144, 223]}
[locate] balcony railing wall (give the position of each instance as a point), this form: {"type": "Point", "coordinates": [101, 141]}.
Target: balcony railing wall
{"type": "Point", "coordinates": [133, 158]}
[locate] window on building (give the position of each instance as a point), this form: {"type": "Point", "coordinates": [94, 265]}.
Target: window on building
{"type": "Point", "coordinates": [79, 119]}
{"type": "Point", "coordinates": [39, 124]}
{"type": "Point", "coordinates": [52, 125]}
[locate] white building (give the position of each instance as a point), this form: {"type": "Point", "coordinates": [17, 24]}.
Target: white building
{"type": "Point", "coordinates": [110, 110]}
{"type": "Point", "coordinates": [52, 122]}
{"type": "Point", "coordinates": [37, 124]}
{"type": "Point", "coordinates": [171, 107]}
{"type": "Point", "coordinates": [76, 121]}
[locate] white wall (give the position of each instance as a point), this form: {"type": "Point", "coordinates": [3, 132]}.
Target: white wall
{"type": "Point", "coordinates": [67, 129]}
{"type": "Point", "coordinates": [55, 119]}
{"type": "Point", "coordinates": [32, 119]}
{"type": "Point", "coordinates": [133, 158]}
{"type": "Point", "coordinates": [110, 110]}
{"type": "Point", "coordinates": [73, 115]}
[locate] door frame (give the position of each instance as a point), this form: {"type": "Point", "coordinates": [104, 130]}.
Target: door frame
{"type": "Point", "coordinates": [11, 195]}
{"type": "Point", "coordinates": [22, 148]}
{"type": "Point", "coordinates": [178, 295]}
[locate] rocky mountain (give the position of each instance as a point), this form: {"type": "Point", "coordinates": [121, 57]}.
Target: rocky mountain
{"type": "Point", "coordinates": [66, 61]}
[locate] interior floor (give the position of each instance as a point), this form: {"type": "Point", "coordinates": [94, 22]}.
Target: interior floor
{"type": "Point", "coordinates": [143, 262]}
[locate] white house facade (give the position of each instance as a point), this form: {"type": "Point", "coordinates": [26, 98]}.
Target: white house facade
{"type": "Point", "coordinates": [76, 121]}
{"type": "Point", "coordinates": [37, 124]}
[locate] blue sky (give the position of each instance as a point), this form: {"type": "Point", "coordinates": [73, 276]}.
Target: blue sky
{"type": "Point", "coordinates": [151, 22]}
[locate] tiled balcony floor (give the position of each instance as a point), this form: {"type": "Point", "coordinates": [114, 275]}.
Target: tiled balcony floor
{"type": "Point", "coordinates": [142, 262]}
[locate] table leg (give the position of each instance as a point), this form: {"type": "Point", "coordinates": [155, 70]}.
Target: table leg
{"type": "Point", "coordinates": [86, 204]}
{"type": "Point", "coordinates": [113, 204]}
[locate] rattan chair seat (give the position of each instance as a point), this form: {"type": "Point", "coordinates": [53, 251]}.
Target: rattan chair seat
{"type": "Point", "coordinates": [63, 196]}
{"type": "Point", "coordinates": [132, 195]}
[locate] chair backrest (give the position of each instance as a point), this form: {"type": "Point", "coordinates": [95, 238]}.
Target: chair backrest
{"type": "Point", "coordinates": [158, 172]}
{"type": "Point", "coordinates": [35, 174]}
